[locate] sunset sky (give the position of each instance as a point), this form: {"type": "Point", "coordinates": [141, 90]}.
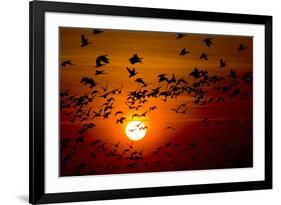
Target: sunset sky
{"type": "Point", "coordinates": [221, 131]}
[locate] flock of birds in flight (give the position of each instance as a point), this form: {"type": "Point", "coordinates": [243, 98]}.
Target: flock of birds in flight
{"type": "Point", "coordinates": [78, 106]}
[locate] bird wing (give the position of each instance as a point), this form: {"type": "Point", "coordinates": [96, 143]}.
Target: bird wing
{"type": "Point", "coordinates": [128, 69]}
{"type": "Point", "coordinates": [83, 39]}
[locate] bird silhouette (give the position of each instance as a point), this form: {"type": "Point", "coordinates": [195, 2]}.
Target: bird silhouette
{"type": "Point", "coordinates": [172, 80]}
{"type": "Point", "coordinates": [232, 74]}
{"type": "Point", "coordinates": [208, 41]}
{"type": "Point", "coordinates": [143, 128]}
{"type": "Point", "coordinates": [64, 94]}
{"type": "Point", "coordinates": [110, 99]}
{"type": "Point", "coordinates": [100, 72]}
{"type": "Point", "coordinates": [118, 113]}
{"type": "Point", "coordinates": [64, 143]}
{"type": "Point", "coordinates": [120, 120]}
{"type": "Point", "coordinates": [183, 105]}
{"type": "Point", "coordinates": [97, 31]}
{"type": "Point", "coordinates": [106, 115]}
{"type": "Point", "coordinates": [183, 111]}
{"type": "Point", "coordinates": [222, 63]}
{"type": "Point", "coordinates": [241, 47]}
{"type": "Point", "coordinates": [132, 72]}
{"type": "Point", "coordinates": [67, 62]}
{"type": "Point", "coordinates": [175, 110]}
{"type": "Point", "coordinates": [84, 41]}
{"type": "Point", "coordinates": [235, 93]}
{"type": "Point", "coordinates": [105, 95]}
{"type": "Point", "coordinates": [137, 107]}
{"type": "Point", "coordinates": [130, 145]}
{"type": "Point", "coordinates": [210, 100]}
{"type": "Point", "coordinates": [88, 81]}
{"type": "Point", "coordinates": [161, 78]}
{"type": "Point", "coordinates": [132, 130]}
{"type": "Point", "coordinates": [143, 114]}
{"type": "Point", "coordinates": [116, 145]}
{"type": "Point", "coordinates": [140, 80]}
{"type": "Point", "coordinates": [204, 56]}
{"type": "Point", "coordinates": [184, 52]}
{"type": "Point", "coordinates": [180, 35]}
{"type": "Point", "coordinates": [104, 88]}
{"type": "Point", "coordinates": [152, 108]}
{"type": "Point", "coordinates": [181, 80]}
{"type": "Point", "coordinates": [220, 99]}
{"type": "Point", "coordinates": [135, 59]}
{"type": "Point", "coordinates": [247, 78]}
{"type": "Point", "coordinates": [135, 115]}
{"type": "Point", "coordinates": [215, 79]}
{"type": "Point", "coordinates": [178, 109]}
{"type": "Point", "coordinates": [196, 73]}
{"type": "Point", "coordinates": [95, 142]}
{"type": "Point", "coordinates": [67, 158]}
{"type": "Point", "coordinates": [169, 128]}
{"type": "Point", "coordinates": [193, 144]}
{"type": "Point", "coordinates": [102, 60]}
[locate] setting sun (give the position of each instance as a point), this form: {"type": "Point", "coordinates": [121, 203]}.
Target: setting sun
{"type": "Point", "coordinates": [135, 130]}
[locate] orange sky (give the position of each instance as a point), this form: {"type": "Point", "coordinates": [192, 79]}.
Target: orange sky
{"type": "Point", "coordinates": [160, 53]}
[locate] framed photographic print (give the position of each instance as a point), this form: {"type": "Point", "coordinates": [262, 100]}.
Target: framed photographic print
{"type": "Point", "coordinates": [140, 102]}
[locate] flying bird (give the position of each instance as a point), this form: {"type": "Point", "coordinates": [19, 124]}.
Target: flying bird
{"type": "Point", "coordinates": [95, 142]}
{"type": "Point", "coordinates": [64, 94]}
{"type": "Point", "coordinates": [204, 56]}
{"type": "Point", "coordinates": [180, 35]}
{"type": "Point", "coordinates": [162, 78]}
{"type": "Point", "coordinates": [135, 115]}
{"type": "Point", "coordinates": [143, 114]}
{"type": "Point", "coordinates": [135, 59]}
{"type": "Point", "coordinates": [232, 74]}
{"type": "Point", "coordinates": [104, 87]}
{"type": "Point", "coordinates": [181, 80]}
{"type": "Point", "coordinates": [132, 130]}
{"type": "Point", "coordinates": [140, 80]}
{"type": "Point", "coordinates": [100, 72]}
{"type": "Point", "coordinates": [97, 31]}
{"type": "Point", "coordinates": [247, 78]}
{"type": "Point", "coordinates": [196, 73]}
{"type": "Point", "coordinates": [183, 111]}
{"type": "Point", "coordinates": [84, 41]}
{"type": "Point", "coordinates": [172, 80]}
{"type": "Point", "coordinates": [110, 99]}
{"type": "Point", "coordinates": [88, 81]}
{"type": "Point", "coordinates": [67, 62]}
{"type": "Point", "coordinates": [121, 120]}
{"type": "Point", "coordinates": [177, 110]}
{"type": "Point", "coordinates": [169, 128]}
{"type": "Point", "coordinates": [220, 99]}
{"type": "Point", "coordinates": [102, 60]}
{"type": "Point", "coordinates": [152, 108]}
{"type": "Point", "coordinates": [184, 52]}
{"type": "Point", "coordinates": [235, 93]}
{"type": "Point", "coordinates": [208, 41]}
{"type": "Point", "coordinates": [118, 112]}
{"type": "Point", "coordinates": [242, 47]}
{"type": "Point", "coordinates": [132, 72]}
{"type": "Point", "coordinates": [222, 63]}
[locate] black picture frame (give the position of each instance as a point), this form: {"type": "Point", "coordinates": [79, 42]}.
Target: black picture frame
{"type": "Point", "coordinates": [37, 194]}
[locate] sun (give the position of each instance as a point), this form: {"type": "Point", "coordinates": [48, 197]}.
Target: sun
{"type": "Point", "coordinates": [135, 130]}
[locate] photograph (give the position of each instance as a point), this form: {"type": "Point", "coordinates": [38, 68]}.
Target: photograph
{"type": "Point", "coordinates": [134, 101]}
